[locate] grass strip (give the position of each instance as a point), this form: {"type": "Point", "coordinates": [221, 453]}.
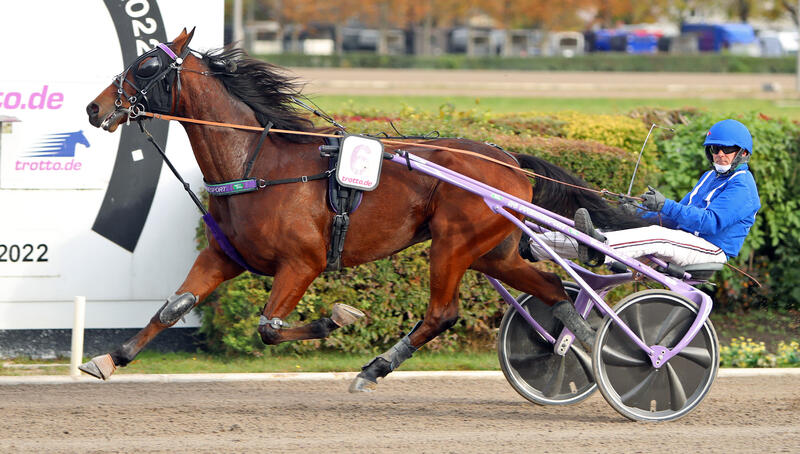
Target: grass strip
{"type": "Point", "coordinates": [390, 104]}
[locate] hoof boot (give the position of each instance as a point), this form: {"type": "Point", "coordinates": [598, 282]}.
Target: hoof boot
{"type": "Point", "coordinates": [362, 385]}
{"type": "Point", "coordinates": [99, 367]}
{"type": "Point", "coordinates": [344, 315]}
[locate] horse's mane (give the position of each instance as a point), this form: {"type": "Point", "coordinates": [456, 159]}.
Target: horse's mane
{"type": "Point", "coordinates": [268, 89]}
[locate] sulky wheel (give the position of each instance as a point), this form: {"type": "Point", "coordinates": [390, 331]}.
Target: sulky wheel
{"type": "Point", "coordinates": [624, 373]}
{"type": "Point", "coordinates": [528, 360]}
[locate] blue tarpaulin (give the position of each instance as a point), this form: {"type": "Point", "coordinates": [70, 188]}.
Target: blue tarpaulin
{"type": "Point", "coordinates": [715, 37]}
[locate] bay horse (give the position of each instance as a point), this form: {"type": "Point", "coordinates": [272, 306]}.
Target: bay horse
{"type": "Point", "coordinates": [284, 230]}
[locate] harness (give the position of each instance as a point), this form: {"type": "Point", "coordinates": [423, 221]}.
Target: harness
{"type": "Point", "coordinates": [154, 66]}
{"type": "Point", "coordinates": [342, 200]}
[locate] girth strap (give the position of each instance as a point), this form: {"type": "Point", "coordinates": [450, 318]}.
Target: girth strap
{"type": "Point", "coordinates": [253, 184]}
{"type": "Point", "coordinates": [344, 202]}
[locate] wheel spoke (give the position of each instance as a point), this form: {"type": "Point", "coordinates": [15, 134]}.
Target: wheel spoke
{"type": "Point", "coordinates": [585, 361]}
{"type": "Point", "coordinates": [634, 316]}
{"type": "Point", "coordinates": [630, 397]}
{"type": "Point", "coordinates": [699, 356]}
{"type": "Point", "coordinates": [677, 394]}
{"type": "Point", "coordinates": [614, 357]}
{"type": "Point", "coordinates": [524, 359]}
{"type": "Point", "coordinates": [675, 318]}
{"type": "Point", "coordinates": [553, 387]}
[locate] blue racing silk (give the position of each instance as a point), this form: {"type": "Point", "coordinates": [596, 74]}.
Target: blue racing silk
{"type": "Point", "coordinates": [719, 209]}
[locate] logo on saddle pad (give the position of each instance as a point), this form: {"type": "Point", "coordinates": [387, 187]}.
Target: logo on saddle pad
{"type": "Point", "coordinates": [360, 161]}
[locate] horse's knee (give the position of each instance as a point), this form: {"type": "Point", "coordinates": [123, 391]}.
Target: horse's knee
{"type": "Point", "coordinates": [176, 307]}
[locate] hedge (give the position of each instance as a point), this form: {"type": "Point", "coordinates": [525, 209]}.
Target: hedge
{"type": "Point", "coordinates": [394, 291]}
{"type": "Point", "coordinates": [606, 61]}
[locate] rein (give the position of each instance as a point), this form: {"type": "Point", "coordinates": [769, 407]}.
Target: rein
{"type": "Point", "coordinates": [602, 192]}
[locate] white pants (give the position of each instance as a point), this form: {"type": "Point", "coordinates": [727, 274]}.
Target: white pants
{"type": "Point", "coordinates": [675, 246]}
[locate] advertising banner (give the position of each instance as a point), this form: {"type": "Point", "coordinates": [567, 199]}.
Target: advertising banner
{"type": "Point", "coordinates": [83, 211]}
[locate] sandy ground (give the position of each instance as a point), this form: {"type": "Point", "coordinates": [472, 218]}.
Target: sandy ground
{"type": "Point", "coordinates": [342, 81]}
{"type": "Point", "coordinates": [741, 414]}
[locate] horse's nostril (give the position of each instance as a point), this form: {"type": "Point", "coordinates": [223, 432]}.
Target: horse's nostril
{"type": "Point", "coordinates": [92, 109]}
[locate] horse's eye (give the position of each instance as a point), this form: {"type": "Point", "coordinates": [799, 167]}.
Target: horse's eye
{"type": "Point", "coordinates": [148, 68]}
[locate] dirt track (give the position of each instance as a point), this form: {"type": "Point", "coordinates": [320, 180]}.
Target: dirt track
{"type": "Point", "coordinates": [342, 81]}
{"type": "Point", "coordinates": [742, 414]}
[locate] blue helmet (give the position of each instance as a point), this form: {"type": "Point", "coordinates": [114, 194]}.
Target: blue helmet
{"type": "Point", "coordinates": [728, 133]}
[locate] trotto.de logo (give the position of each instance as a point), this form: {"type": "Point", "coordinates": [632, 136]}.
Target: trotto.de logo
{"type": "Point", "coordinates": [54, 152]}
{"type": "Point", "coordinates": [39, 99]}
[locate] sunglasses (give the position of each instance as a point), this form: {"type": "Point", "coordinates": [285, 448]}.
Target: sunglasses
{"type": "Point", "coordinates": [725, 149]}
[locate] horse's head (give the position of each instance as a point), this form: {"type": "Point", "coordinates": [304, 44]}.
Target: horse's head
{"type": "Point", "coordinates": [147, 84]}
{"type": "Point", "coordinates": [80, 138]}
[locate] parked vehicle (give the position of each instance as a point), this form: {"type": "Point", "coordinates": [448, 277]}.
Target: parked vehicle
{"type": "Point", "coordinates": [735, 38]}
{"type": "Point", "coordinates": [778, 43]}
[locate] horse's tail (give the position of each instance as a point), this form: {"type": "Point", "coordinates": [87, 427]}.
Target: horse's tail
{"type": "Point", "coordinates": [565, 200]}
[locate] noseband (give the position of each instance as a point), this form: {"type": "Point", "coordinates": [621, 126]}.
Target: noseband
{"type": "Point", "coordinates": [152, 82]}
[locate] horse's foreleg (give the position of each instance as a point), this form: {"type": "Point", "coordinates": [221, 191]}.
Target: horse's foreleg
{"type": "Point", "coordinates": [209, 270]}
{"type": "Point", "coordinates": [288, 287]}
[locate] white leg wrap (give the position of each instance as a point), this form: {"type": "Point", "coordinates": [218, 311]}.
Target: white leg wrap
{"type": "Point", "coordinates": [676, 246]}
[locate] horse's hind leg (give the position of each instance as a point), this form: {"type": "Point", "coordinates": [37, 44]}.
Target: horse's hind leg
{"type": "Point", "coordinates": [449, 260]}
{"type": "Point", "coordinates": [505, 264]}
{"type": "Point", "coordinates": [209, 270]}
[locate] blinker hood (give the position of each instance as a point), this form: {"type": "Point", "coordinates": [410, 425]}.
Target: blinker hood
{"type": "Point", "coordinates": [154, 77]}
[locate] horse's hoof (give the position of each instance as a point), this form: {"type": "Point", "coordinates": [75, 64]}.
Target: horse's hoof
{"type": "Point", "coordinates": [344, 315]}
{"type": "Point", "coordinates": [362, 385]}
{"type": "Point", "coordinates": [99, 367]}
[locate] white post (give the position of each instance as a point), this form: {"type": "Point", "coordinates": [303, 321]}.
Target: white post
{"type": "Point", "coordinates": [797, 17]}
{"type": "Point", "coordinates": [78, 323]}
{"type": "Point", "coordinates": [238, 27]}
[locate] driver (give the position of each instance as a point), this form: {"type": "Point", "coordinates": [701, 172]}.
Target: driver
{"type": "Point", "coordinates": [708, 225]}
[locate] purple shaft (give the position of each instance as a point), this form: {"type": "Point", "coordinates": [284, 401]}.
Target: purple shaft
{"type": "Point", "coordinates": [521, 310]}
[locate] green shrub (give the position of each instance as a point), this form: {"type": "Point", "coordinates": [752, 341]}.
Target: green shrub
{"type": "Point", "coordinates": [604, 61]}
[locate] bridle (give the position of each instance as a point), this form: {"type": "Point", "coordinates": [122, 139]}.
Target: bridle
{"type": "Point", "coordinates": [154, 74]}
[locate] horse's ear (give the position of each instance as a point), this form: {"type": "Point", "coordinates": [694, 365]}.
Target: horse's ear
{"type": "Point", "coordinates": [182, 41]}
